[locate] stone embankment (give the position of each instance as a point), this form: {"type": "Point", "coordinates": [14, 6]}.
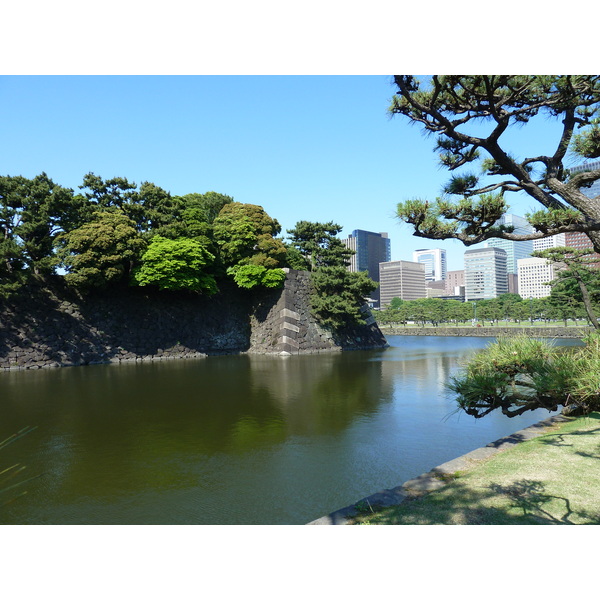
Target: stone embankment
{"type": "Point", "coordinates": [50, 326]}
{"type": "Point", "coordinates": [545, 332]}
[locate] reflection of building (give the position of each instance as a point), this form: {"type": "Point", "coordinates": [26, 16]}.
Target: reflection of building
{"type": "Point", "coordinates": [401, 279]}
{"type": "Point", "coordinates": [514, 250]}
{"type": "Point", "coordinates": [533, 274]}
{"type": "Point", "coordinates": [371, 249]}
{"type": "Point", "coordinates": [485, 273]}
{"type": "Point", "coordinates": [434, 261]}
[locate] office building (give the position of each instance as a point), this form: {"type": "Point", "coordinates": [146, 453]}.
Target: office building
{"type": "Point", "coordinates": [485, 273]}
{"type": "Point", "coordinates": [371, 249]}
{"type": "Point", "coordinates": [514, 250]}
{"type": "Point", "coordinates": [534, 273]}
{"type": "Point", "coordinates": [401, 279]}
{"type": "Point", "coordinates": [554, 241]}
{"type": "Point", "coordinates": [455, 283]}
{"type": "Point", "coordinates": [434, 261]}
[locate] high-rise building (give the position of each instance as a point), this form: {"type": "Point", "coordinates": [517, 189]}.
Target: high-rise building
{"type": "Point", "coordinates": [554, 241]}
{"type": "Point", "coordinates": [485, 273]}
{"type": "Point", "coordinates": [534, 273]}
{"type": "Point", "coordinates": [455, 280]}
{"type": "Point", "coordinates": [371, 249]}
{"type": "Point", "coordinates": [401, 279]}
{"type": "Point", "coordinates": [434, 261]}
{"type": "Point", "coordinates": [514, 250]}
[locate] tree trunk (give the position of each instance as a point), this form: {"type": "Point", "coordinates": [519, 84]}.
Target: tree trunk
{"type": "Point", "coordinates": [587, 303]}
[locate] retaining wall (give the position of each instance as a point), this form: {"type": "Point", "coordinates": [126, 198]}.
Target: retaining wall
{"type": "Point", "coordinates": [48, 325]}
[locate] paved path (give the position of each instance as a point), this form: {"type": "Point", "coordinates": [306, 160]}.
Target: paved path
{"type": "Point", "coordinates": [437, 477]}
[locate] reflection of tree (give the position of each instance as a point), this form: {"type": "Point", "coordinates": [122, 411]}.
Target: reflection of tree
{"type": "Point", "coordinates": [321, 393]}
{"type": "Point", "coordinates": [115, 430]}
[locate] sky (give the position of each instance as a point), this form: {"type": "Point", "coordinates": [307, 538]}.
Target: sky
{"type": "Point", "coordinates": [316, 148]}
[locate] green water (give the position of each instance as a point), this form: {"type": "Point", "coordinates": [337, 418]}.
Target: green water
{"type": "Point", "coordinates": [234, 439]}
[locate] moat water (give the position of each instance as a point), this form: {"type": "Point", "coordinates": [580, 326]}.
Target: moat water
{"type": "Point", "coordinates": [234, 439]}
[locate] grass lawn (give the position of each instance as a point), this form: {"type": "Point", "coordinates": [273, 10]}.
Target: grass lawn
{"type": "Point", "coordinates": [552, 479]}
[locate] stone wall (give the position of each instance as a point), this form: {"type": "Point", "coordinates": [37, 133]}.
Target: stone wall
{"type": "Point", "coordinates": [283, 324]}
{"type": "Point", "coordinates": [545, 332]}
{"type": "Point", "coordinates": [48, 325]}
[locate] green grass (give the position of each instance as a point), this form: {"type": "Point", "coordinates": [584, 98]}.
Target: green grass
{"type": "Point", "coordinates": [552, 479]}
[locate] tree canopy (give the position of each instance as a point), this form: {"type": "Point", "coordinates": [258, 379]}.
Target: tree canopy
{"type": "Point", "coordinates": [468, 116]}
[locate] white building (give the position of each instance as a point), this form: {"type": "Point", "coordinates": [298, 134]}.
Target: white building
{"type": "Point", "coordinates": [533, 274]}
{"type": "Point", "coordinates": [434, 261]}
{"type": "Point", "coordinates": [514, 250]}
{"type": "Point", "coordinates": [554, 241]}
{"type": "Point", "coordinates": [401, 279]}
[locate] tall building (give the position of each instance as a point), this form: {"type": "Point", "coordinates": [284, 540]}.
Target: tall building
{"type": "Point", "coordinates": [434, 261]}
{"type": "Point", "coordinates": [514, 250]}
{"type": "Point", "coordinates": [533, 274]}
{"type": "Point", "coordinates": [485, 273]}
{"type": "Point", "coordinates": [371, 249]}
{"type": "Point", "coordinates": [554, 241]}
{"type": "Point", "coordinates": [401, 279]}
{"type": "Point", "coordinates": [455, 282]}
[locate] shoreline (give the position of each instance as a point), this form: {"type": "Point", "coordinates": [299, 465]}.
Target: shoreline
{"type": "Point", "coordinates": [437, 477]}
{"type": "Point", "coordinates": [493, 331]}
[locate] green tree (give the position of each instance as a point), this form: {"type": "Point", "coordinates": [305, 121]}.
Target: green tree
{"type": "Point", "coordinates": [338, 295]}
{"type": "Point", "coordinates": [101, 252]}
{"type": "Point", "coordinates": [319, 245]}
{"type": "Point", "coordinates": [251, 276]}
{"type": "Point", "coordinates": [245, 234]}
{"type": "Point", "coordinates": [32, 213]}
{"type": "Point", "coordinates": [519, 374]}
{"type": "Point", "coordinates": [579, 266]}
{"type": "Point", "coordinates": [180, 264]}
{"type": "Point", "coordinates": [470, 115]}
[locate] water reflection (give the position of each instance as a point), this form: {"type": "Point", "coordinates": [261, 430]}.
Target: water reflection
{"type": "Point", "coordinates": [235, 439]}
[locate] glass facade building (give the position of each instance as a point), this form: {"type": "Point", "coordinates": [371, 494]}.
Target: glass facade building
{"type": "Point", "coordinates": [514, 250]}
{"type": "Point", "coordinates": [485, 273]}
{"type": "Point", "coordinates": [434, 261]}
{"type": "Point", "coordinates": [371, 249]}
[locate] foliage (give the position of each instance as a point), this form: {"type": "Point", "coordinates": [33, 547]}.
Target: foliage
{"type": "Point", "coordinates": [245, 234]}
{"type": "Point", "coordinates": [179, 264]}
{"type": "Point", "coordinates": [469, 115]}
{"type": "Point", "coordinates": [521, 373]}
{"type": "Point", "coordinates": [250, 276]}
{"type": "Point", "coordinates": [318, 245]}
{"type": "Point", "coordinates": [580, 267]}
{"type": "Point", "coordinates": [100, 252]}
{"type": "Point", "coordinates": [339, 295]}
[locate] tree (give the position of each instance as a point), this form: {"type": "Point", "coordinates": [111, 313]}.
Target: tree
{"type": "Point", "coordinates": [245, 234]}
{"type": "Point", "coordinates": [179, 264]}
{"type": "Point", "coordinates": [32, 213]}
{"type": "Point", "coordinates": [578, 266]}
{"type": "Point", "coordinates": [101, 252]}
{"type": "Point", "coordinates": [318, 244]}
{"type": "Point", "coordinates": [338, 295]}
{"type": "Point", "coordinates": [519, 374]}
{"type": "Point", "coordinates": [456, 109]}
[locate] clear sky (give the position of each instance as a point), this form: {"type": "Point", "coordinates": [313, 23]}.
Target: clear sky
{"type": "Point", "coordinates": [316, 148]}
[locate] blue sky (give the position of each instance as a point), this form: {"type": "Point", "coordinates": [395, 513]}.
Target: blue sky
{"type": "Point", "coordinates": [317, 148]}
